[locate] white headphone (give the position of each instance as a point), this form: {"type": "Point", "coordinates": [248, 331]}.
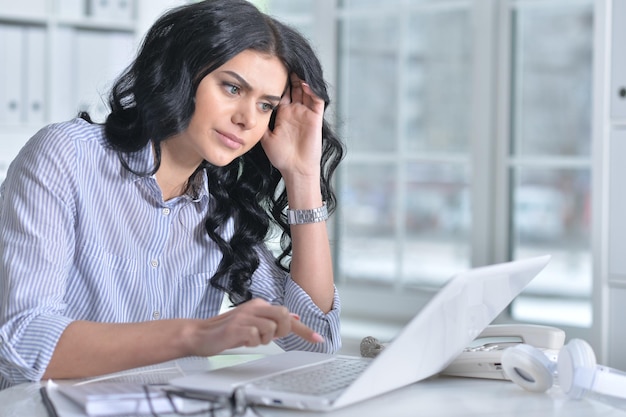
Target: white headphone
{"type": "Point", "coordinates": [575, 369]}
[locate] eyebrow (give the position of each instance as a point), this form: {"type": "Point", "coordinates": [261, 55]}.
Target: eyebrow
{"type": "Point", "coordinates": [247, 86]}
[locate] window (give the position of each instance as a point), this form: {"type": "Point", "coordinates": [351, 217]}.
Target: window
{"type": "Point", "coordinates": [549, 155]}
{"type": "Point", "coordinates": [404, 91]}
{"type": "Point", "coordinates": [468, 126]}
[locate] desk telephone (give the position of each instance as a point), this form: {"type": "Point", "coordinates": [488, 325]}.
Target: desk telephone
{"type": "Point", "coordinates": [482, 359]}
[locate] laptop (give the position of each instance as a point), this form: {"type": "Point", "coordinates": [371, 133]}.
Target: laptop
{"type": "Point", "coordinates": [451, 320]}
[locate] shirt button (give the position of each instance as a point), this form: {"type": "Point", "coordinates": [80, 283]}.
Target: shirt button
{"type": "Point", "coordinates": [166, 211]}
{"type": "Point", "coordinates": [156, 315]}
{"type": "Point", "coordinates": [154, 263]}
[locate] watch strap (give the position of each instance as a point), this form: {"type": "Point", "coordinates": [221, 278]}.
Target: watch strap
{"type": "Point", "coordinates": [315, 215]}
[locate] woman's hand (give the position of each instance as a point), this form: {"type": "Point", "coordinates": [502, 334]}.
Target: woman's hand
{"type": "Point", "coordinates": [90, 348]}
{"type": "Point", "coordinates": [294, 147]}
{"type": "Point", "coordinates": [253, 323]}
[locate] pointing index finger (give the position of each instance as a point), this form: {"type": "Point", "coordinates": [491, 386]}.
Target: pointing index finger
{"type": "Point", "coordinates": [305, 332]}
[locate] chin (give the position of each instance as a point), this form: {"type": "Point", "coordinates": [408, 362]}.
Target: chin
{"type": "Point", "coordinates": [220, 162]}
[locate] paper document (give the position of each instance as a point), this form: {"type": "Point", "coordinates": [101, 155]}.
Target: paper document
{"type": "Point", "coordinates": [118, 398]}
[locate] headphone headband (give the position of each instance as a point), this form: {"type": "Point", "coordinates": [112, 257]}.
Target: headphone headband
{"type": "Point", "coordinates": [609, 381]}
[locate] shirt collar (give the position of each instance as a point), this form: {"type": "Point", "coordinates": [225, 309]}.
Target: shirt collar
{"type": "Point", "coordinates": [140, 161]}
{"type": "Point", "coordinates": [143, 161]}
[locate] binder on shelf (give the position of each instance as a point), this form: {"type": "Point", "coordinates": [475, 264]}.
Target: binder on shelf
{"type": "Point", "coordinates": [618, 59]}
{"type": "Point", "coordinates": [11, 81]}
{"type": "Point", "coordinates": [111, 10]}
{"type": "Point", "coordinates": [35, 85]}
{"type": "Point", "coordinates": [91, 62]}
{"type": "Point", "coordinates": [122, 10]}
{"type": "Point", "coordinates": [100, 9]}
{"type": "Point", "coordinates": [62, 104]}
{"type": "Point", "coordinates": [100, 59]}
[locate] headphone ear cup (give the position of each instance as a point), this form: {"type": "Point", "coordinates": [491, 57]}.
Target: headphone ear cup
{"type": "Point", "coordinates": [576, 355]}
{"type": "Point", "coordinates": [528, 367]}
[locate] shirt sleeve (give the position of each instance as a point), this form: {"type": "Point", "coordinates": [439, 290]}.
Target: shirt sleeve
{"type": "Point", "coordinates": [275, 285]}
{"type": "Point", "coordinates": [36, 246]}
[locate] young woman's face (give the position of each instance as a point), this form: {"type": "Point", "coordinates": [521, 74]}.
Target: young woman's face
{"type": "Point", "coordinates": [233, 108]}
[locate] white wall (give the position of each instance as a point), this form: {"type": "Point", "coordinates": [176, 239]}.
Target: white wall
{"type": "Point", "coordinates": [609, 184]}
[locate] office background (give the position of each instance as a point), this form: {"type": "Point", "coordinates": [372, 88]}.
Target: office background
{"type": "Point", "coordinates": [478, 131]}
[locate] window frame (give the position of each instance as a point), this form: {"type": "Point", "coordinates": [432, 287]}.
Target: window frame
{"type": "Point", "coordinates": [390, 308]}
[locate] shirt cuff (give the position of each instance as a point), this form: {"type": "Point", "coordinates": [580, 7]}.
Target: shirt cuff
{"type": "Point", "coordinates": [27, 358]}
{"type": "Point", "coordinates": [326, 324]}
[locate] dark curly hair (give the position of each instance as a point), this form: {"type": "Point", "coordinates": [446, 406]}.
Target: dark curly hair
{"type": "Point", "coordinates": [154, 99]}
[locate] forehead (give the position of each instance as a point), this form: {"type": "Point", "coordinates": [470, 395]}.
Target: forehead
{"type": "Point", "coordinates": [260, 70]}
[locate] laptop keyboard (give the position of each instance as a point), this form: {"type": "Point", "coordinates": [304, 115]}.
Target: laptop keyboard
{"type": "Point", "coordinates": [319, 379]}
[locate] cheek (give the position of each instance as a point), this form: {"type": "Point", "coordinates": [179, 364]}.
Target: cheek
{"type": "Point", "coordinates": [262, 127]}
{"type": "Point", "coordinates": [258, 135]}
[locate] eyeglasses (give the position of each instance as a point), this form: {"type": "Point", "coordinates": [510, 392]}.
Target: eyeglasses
{"type": "Point", "coordinates": [185, 403]}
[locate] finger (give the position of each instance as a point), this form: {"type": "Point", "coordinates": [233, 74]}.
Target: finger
{"type": "Point", "coordinates": [297, 93]}
{"type": "Point", "coordinates": [271, 320]}
{"type": "Point", "coordinates": [305, 332]}
{"type": "Point", "coordinates": [251, 336]}
{"type": "Point", "coordinates": [259, 332]}
{"type": "Point", "coordinates": [284, 326]}
{"type": "Point", "coordinates": [312, 101]}
{"type": "Point", "coordinates": [286, 97]}
{"type": "Point", "coordinates": [267, 331]}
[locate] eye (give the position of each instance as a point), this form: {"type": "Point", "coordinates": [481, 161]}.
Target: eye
{"type": "Point", "coordinates": [232, 88]}
{"type": "Point", "coordinates": [267, 107]}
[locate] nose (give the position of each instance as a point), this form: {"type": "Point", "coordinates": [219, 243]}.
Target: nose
{"type": "Point", "coordinates": [245, 114]}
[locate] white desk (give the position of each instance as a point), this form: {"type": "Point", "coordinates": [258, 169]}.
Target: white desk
{"type": "Point", "coordinates": [439, 396]}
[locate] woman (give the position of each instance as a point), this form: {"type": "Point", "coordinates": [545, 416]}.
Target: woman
{"type": "Point", "coordinates": [119, 241]}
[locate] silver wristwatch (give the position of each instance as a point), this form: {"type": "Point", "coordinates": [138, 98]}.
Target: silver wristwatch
{"type": "Point", "coordinates": [315, 215]}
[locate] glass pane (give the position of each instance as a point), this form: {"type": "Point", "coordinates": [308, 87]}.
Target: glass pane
{"type": "Point", "coordinates": [437, 81]}
{"type": "Point", "coordinates": [286, 6]}
{"type": "Point", "coordinates": [298, 14]}
{"type": "Point", "coordinates": [405, 83]}
{"type": "Point", "coordinates": [374, 36]}
{"type": "Point", "coordinates": [369, 85]}
{"type": "Point", "coordinates": [368, 195]}
{"type": "Point", "coordinates": [437, 223]}
{"type": "Point", "coordinates": [551, 117]}
{"type": "Point", "coordinates": [370, 4]}
{"type": "Point", "coordinates": [551, 214]}
{"type": "Point", "coordinates": [553, 80]}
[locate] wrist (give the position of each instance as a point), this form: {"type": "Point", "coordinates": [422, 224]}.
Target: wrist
{"type": "Point", "coordinates": [301, 182]}
{"type": "Point", "coordinates": [303, 190]}
{"type": "Point", "coordinates": [189, 337]}
{"type": "Point", "coordinates": [305, 216]}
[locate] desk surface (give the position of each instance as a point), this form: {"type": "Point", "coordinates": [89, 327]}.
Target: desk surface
{"type": "Point", "coordinates": [438, 396]}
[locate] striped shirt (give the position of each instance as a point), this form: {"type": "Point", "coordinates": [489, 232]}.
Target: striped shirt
{"type": "Point", "coordinates": [85, 239]}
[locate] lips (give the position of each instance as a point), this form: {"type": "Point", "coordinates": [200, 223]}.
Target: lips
{"type": "Point", "coordinates": [231, 141]}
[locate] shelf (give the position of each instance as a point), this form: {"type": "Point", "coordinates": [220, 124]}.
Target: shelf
{"type": "Point", "coordinates": [22, 19]}
{"type": "Point", "coordinates": [96, 24]}
{"type": "Point", "coordinates": [62, 59]}
{"type": "Point", "coordinates": [88, 23]}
